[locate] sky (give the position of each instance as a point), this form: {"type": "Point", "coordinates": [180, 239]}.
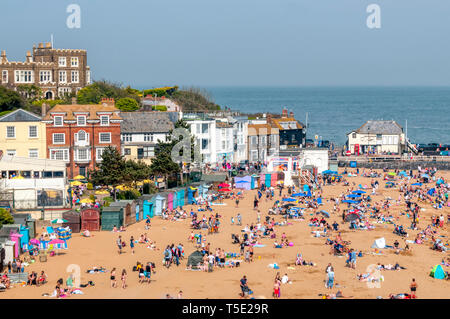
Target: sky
{"type": "Point", "coordinates": [148, 43]}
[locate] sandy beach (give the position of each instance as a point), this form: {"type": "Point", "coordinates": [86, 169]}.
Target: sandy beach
{"type": "Point", "coordinates": [307, 281]}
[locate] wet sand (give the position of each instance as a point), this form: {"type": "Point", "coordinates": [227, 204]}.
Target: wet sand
{"type": "Point", "coordinates": [307, 281]}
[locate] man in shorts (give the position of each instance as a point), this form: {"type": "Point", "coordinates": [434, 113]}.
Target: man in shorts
{"type": "Point", "coordinates": [119, 244]}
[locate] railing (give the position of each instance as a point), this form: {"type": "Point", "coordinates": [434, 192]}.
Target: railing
{"type": "Point", "coordinates": [393, 158]}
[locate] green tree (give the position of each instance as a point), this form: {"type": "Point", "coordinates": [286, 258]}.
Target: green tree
{"type": "Point", "coordinates": [162, 164]}
{"type": "Point", "coordinates": [93, 94]}
{"type": "Point", "coordinates": [136, 171]}
{"type": "Point", "coordinates": [10, 100]}
{"type": "Point", "coordinates": [30, 91]}
{"type": "Point", "coordinates": [110, 171]}
{"type": "Point", "coordinates": [5, 217]}
{"type": "Point", "coordinates": [127, 104]}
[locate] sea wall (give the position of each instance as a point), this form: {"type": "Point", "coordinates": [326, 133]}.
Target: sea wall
{"type": "Point", "coordinates": [404, 165]}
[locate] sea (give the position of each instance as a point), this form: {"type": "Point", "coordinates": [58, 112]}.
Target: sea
{"type": "Point", "coordinates": [332, 112]}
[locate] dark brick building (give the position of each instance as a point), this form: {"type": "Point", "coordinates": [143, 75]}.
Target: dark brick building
{"type": "Point", "coordinates": [78, 134]}
{"type": "Point", "coordinates": [56, 71]}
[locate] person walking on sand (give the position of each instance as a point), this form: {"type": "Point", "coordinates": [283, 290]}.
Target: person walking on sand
{"type": "Point", "coordinates": [119, 244]}
{"type": "Point", "coordinates": [124, 278]}
{"type": "Point", "coordinates": [413, 288]}
{"type": "Point", "coordinates": [132, 244]}
{"type": "Point", "coordinates": [330, 279]}
{"type": "Point", "coordinates": [113, 278]}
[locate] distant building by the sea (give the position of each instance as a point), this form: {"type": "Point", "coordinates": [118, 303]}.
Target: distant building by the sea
{"type": "Point", "coordinates": [57, 72]}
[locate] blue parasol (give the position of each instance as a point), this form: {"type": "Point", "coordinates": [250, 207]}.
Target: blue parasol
{"type": "Point", "coordinates": [358, 192]}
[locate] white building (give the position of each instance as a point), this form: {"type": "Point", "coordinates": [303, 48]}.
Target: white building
{"type": "Point", "coordinates": [224, 142]}
{"type": "Point", "coordinates": [377, 137]}
{"type": "Point", "coordinates": [240, 135]}
{"type": "Point", "coordinates": [32, 183]}
{"type": "Point", "coordinates": [204, 131]}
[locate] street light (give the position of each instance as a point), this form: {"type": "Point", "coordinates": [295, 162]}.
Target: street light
{"type": "Point", "coordinates": [154, 94]}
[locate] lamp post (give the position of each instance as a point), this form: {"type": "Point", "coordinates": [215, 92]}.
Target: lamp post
{"type": "Point", "coordinates": [368, 128]}
{"type": "Point", "coordinates": [154, 99]}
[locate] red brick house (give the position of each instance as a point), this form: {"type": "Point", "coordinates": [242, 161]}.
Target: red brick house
{"type": "Point", "coordinates": [78, 134]}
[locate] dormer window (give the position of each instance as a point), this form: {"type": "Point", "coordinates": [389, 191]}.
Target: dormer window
{"type": "Point", "coordinates": [58, 121]}
{"type": "Point", "coordinates": [104, 120]}
{"type": "Point", "coordinates": [81, 120]}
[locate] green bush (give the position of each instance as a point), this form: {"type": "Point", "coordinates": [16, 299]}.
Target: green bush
{"type": "Point", "coordinates": [92, 197]}
{"type": "Point", "coordinates": [108, 199]}
{"type": "Point", "coordinates": [106, 204]}
{"type": "Point", "coordinates": [129, 194]}
{"type": "Point", "coordinates": [89, 186]}
{"type": "Point", "coordinates": [5, 217]}
{"type": "Point", "coordinates": [164, 91]}
{"type": "Point", "coordinates": [162, 108]}
{"type": "Point", "coordinates": [127, 104]}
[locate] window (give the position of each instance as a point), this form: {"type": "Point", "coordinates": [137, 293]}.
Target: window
{"type": "Point", "coordinates": [205, 128]}
{"type": "Point", "coordinates": [59, 154]}
{"type": "Point", "coordinates": [75, 77]}
{"type": "Point", "coordinates": [74, 61]}
{"type": "Point", "coordinates": [254, 155]}
{"type": "Point", "coordinates": [263, 140]}
{"type": "Point", "coordinates": [148, 151]}
{"type": "Point", "coordinates": [5, 76]}
{"type": "Point", "coordinates": [82, 154]}
{"type": "Point", "coordinates": [254, 140]}
{"type": "Point", "coordinates": [58, 121]}
{"type": "Point", "coordinates": [33, 153]}
{"type": "Point", "coordinates": [99, 153]}
{"type": "Point", "coordinates": [205, 144]}
{"type": "Point", "coordinates": [64, 91]}
{"type": "Point", "coordinates": [10, 132]}
{"type": "Point", "coordinates": [59, 138]}
{"type": "Point", "coordinates": [81, 120]}
{"type": "Point", "coordinates": [224, 144]}
{"type": "Point", "coordinates": [198, 128]}
{"type": "Point", "coordinates": [81, 136]}
{"type": "Point", "coordinates": [353, 135]}
{"type": "Point", "coordinates": [127, 138]}
{"type": "Point", "coordinates": [32, 131]}
{"type": "Point", "coordinates": [58, 174]}
{"type": "Point", "coordinates": [105, 137]}
{"type": "Point", "coordinates": [62, 77]}
{"type": "Point", "coordinates": [45, 76]}
{"type": "Point", "coordinates": [127, 151]}
{"type": "Point", "coordinates": [88, 77]}
{"type": "Point", "coordinates": [62, 61]}
{"type": "Point", "coordinates": [148, 137]}
{"type": "Point", "coordinates": [104, 120]}
{"type": "Point", "coordinates": [23, 76]}
{"type": "Point", "coordinates": [11, 152]}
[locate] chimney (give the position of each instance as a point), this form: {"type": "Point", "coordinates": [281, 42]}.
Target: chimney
{"type": "Point", "coordinates": [74, 101]}
{"type": "Point", "coordinates": [108, 101]}
{"type": "Point", "coordinates": [41, 45]}
{"type": "Point", "coordinates": [48, 45]}
{"type": "Point", "coordinates": [4, 59]}
{"type": "Point", "coordinates": [44, 109]}
{"type": "Point", "coordinates": [29, 57]}
{"type": "Point", "coordinates": [291, 114]}
{"type": "Point", "coordinates": [284, 113]}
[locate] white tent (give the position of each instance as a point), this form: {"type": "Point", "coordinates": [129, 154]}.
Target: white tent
{"type": "Point", "coordinates": [379, 243]}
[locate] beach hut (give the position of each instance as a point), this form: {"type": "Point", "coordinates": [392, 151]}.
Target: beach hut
{"type": "Point", "coordinates": [90, 219]}
{"type": "Point", "coordinates": [15, 237]}
{"type": "Point", "coordinates": [255, 181]}
{"type": "Point", "coordinates": [2, 257]}
{"type": "Point", "coordinates": [25, 232]}
{"type": "Point", "coordinates": [273, 179]}
{"type": "Point", "coordinates": [170, 201]}
{"type": "Point", "coordinates": [181, 195]}
{"type": "Point", "coordinates": [31, 225]}
{"type": "Point", "coordinates": [268, 180]}
{"type": "Point", "coordinates": [73, 220]}
{"type": "Point", "coordinates": [128, 209]}
{"type": "Point", "coordinates": [192, 193]}
{"type": "Point", "coordinates": [112, 216]}
{"type": "Point", "coordinates": [10, 251]}
{"type": "Point", "coordinates": [148, 206]}
{"type": "Point", "coordinates": [160, 203]}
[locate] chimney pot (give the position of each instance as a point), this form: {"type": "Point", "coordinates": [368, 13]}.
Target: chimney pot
{"type": "Point", "coordinates": [41, 45]}
{"type": "Point", "coordinates": [291, 114]}
{"type": "Point", "coordinates": [44, 109]}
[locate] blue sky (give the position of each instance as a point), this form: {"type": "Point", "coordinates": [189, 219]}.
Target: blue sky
{"type": "Point", "coordinates": [147, 43]}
